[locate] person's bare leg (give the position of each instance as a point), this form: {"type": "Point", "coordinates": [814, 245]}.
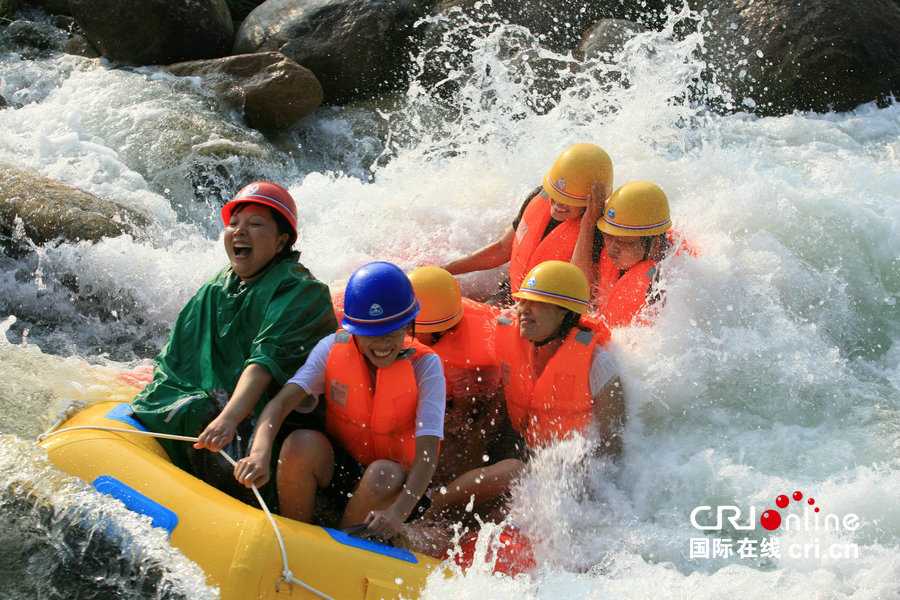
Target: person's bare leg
{"type": "Point", "coordinates": [376, 490]}
{"type": "Point", "coordinates": [485, 484]}
{"type": "Point", "coordinates": [306, 464]}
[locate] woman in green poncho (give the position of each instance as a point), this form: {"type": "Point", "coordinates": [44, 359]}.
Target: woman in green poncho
{"type": "Point", "coordinates": [243, 334]}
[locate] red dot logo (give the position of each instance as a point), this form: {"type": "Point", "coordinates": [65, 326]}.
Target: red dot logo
{"type": "Point", "coordinates": [770, 520]}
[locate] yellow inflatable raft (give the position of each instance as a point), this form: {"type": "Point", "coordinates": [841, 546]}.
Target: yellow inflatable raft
{"type": "Point", "coordinates": [235, 544]}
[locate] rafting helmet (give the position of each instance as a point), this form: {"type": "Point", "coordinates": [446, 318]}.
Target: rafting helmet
{"type": "Point", "coordinates": [378, 299]}
{"type": "Point", "coordinates": [638, 208]}
{"type": "Point", "coordinates": [269, 194]}
{"type": "Point", "coordinates": [557, 282]}
{"type": "Point", "coordinates": [440, 296]}
{"type": "Point", "coordinates": [575, 171]}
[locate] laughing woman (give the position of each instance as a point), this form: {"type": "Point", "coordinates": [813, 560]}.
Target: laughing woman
{"type": "Point", "coordinates": [241, 335]}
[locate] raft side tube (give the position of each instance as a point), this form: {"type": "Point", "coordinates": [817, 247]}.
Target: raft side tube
{"type": "Point", "coordinates": [137, 502]}
{"type": "Point", "coordinates": [233, 542]}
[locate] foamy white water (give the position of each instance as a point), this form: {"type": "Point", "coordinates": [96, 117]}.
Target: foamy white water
{"type": "Point", "coordinates": [773, 366]}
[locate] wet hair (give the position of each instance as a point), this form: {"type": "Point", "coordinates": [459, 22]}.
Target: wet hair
{"type": "Point", "coordinates": [571, 320]}
{"type": "Point", "coordinates": [647, 241]}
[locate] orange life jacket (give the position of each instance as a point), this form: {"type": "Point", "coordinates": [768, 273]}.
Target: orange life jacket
{"type": "Point", "coordinates": [622, 298]}
{"type": "Point", "coordinates": [529, 250]}
{"type": "Point", "coordinates": [559, 401]}
{"type": "Point", "coordinates": [372, 424]}
{"type": "Point", "coordinates": [467, 351]}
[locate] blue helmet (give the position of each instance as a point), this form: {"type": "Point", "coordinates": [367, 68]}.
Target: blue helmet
{"type": "Point", "coordinates": [379, 299]}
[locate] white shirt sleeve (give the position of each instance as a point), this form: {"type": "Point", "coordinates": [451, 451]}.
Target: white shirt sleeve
{"type": "Point", "coordinates": [603, 368]}
{"type": "Point", "coordinates": [311, 376]}
{"type": "Point", "coordinates": [429, 372]}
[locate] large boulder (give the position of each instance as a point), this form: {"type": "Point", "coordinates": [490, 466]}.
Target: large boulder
{"type": "Point", "coordinates": [31, 39]}
{"type": "Point", "coordinates": [49, 210]}
{"type": "Point", "coordinates": [355, 47]}
{"type": "Point", "coordinates": [777, 56]}
{"type": "Point", "coordinates": [559, 24]}
{"type": "Point", "coordinates": [608, 36]}
{"type": "Point", "coordinates": [152, 32]}
{"type": "Point", "coordinates": [774, 56]}
{"type": "Point", "coordinates": [56, 7]}
{"type": "Point", "coordinates": [272, 90]}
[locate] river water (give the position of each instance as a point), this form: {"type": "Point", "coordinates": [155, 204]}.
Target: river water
{"type": "Point", "coordinates": [772, 367]}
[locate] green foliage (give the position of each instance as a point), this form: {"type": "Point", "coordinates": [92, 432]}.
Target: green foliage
{"type": "Point", "coordinates": [4, 9]}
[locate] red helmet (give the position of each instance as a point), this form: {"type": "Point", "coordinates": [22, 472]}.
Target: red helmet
{"type": "Point", "coordinates": [270, 194]}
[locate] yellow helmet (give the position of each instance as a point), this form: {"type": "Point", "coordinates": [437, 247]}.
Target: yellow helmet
{"type": "Point", "coordinates": [575, 171]}
{"type": "Point", "coordinates": [638, 208]}
{"type": "Point", "coordinates": [557, 282]}
{"type": "Point", "coordinates": [438, 292]}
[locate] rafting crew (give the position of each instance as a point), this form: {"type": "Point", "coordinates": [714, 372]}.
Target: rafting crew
{"type": "Point", "coordinates": [384, 395]}
{"type": "Point", "coordinates": [414, 360]}
{"type": "Point", "coordinates": [461, 332]}
{"type": "Point", "coordinates": [549, 223]}
{"type": "Point", "coordinates": [238, 339]}
{"type": "Point", "coordinates": [558, 379]}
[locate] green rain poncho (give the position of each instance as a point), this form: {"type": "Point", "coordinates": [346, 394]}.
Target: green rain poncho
{"type": "Point", "coordinates": [274, 322]}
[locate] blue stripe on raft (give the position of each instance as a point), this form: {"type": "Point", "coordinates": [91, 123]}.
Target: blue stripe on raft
{"type": "Point", "coordinates": [371, 546]}
{"type": "Point", "coordinates": [122, 412]}
{"type": "Point", "coordinates": [137, 502]}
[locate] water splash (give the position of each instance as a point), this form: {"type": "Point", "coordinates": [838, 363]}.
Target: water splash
{"type": "Point", "coordinates": [80, 543]}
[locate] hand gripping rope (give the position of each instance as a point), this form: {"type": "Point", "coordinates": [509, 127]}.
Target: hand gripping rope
{"type": "Point", "coordinates": [286, 575]}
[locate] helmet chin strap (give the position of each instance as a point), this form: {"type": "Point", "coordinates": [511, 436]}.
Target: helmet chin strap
{"type": "Point", "coordinates": [548, 339]}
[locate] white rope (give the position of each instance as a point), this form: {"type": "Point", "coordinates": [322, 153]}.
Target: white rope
{"type": "Point", "coordinates": [286, 574]}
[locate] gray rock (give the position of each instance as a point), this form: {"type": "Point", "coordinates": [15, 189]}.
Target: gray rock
{"type": "Point", "coordinates": [32, 39]}
{"type": "Point", "coordinates": [354, 47]}
{"type": "Point", "coordinates": [152, 32]}
{"type": "Point", "coordinates": [78, 45]}
{"type": "Point", "coordinates": [559, 24]}
{"type": "Point", "coordinates": [57, 7]}
{"type": "Point", "coordinates": [273, 90]}
{"type": "Point", "coordinates": [608, 36]}
{"type": "Point", "coordinates": [783, 55]}
{"type": "Point", "coordinates": [50, 210]}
